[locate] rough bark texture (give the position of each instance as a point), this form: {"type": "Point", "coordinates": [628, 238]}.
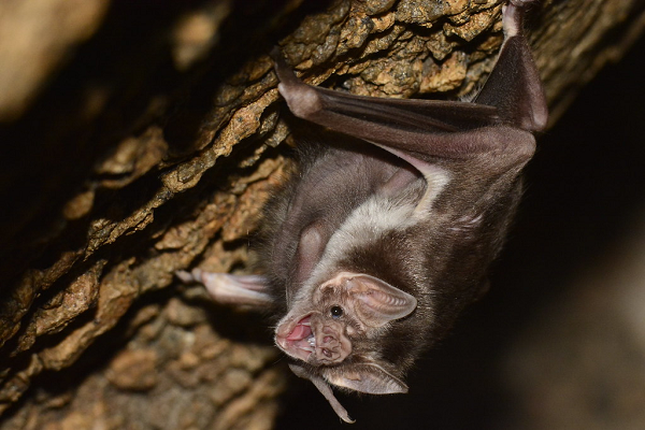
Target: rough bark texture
{"type": "Point", "coordinates": [143, 137]}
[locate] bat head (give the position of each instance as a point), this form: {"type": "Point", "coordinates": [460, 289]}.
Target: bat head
{"type": "Point", "coordinates": [327, 330]}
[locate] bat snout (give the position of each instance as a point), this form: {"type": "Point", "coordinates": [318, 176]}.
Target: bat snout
{"type": "Point", "coordinates": [296, 338]}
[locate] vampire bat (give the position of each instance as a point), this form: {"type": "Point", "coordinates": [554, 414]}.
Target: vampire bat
{"type": "Point", "coordinates": [385, 232]}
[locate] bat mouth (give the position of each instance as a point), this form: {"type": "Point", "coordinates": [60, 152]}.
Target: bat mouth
{"type": "Point", "coordinates": [299, 341]}
{"type": "Point", "coordinates": [302, 330]}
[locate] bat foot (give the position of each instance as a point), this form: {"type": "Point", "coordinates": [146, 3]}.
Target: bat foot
{"type": "Point", "coordinates": [522, 3]}
{"type": "Point", "coordinates": [513, 16]}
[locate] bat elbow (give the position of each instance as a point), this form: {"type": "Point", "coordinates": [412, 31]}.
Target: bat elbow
{"type": "Point", "coordinates": [540, 119]}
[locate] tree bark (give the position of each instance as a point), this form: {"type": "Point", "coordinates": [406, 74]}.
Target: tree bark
{"type": "Point", "coordinates": [141, 139]}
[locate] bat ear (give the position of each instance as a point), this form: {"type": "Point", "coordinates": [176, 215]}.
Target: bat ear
{"type": "Point", "coordinates": [367, 378]}
{"type": "Point", "coordinates": [376, 302]}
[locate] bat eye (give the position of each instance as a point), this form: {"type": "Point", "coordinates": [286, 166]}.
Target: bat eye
{"type": "Point", "coordinates": [336, 312]}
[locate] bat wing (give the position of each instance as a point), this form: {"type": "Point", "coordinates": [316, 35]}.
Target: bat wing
{"type": "Point", "coordinates": [419, 131]}
{"type": "Point", "coordinates": [510, 106]}
{"type": "Point", "coordinates": [380, 120]}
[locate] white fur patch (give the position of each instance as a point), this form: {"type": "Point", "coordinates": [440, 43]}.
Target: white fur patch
{"type": "Point", "coordinates": [437, 179]}
{"type": "Point", "coordinates": [368, 222]}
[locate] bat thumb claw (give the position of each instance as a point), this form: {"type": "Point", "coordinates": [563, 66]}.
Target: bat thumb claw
{"type": "Point", "coordinates": [276, 54]}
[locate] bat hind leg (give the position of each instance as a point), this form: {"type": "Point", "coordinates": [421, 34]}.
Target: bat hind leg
{"type": "Point", "coordinates": [514, 86]}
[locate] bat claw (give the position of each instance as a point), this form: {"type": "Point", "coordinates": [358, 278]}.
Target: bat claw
{"type": "Point", "coordinates": [276, 54]}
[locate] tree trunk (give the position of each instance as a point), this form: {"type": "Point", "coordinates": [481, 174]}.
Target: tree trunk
{"type": "Point", "coordinates": [143, 137]}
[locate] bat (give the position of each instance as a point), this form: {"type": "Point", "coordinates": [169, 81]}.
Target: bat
{"type": "Point", "coordinates": [385, 232]}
